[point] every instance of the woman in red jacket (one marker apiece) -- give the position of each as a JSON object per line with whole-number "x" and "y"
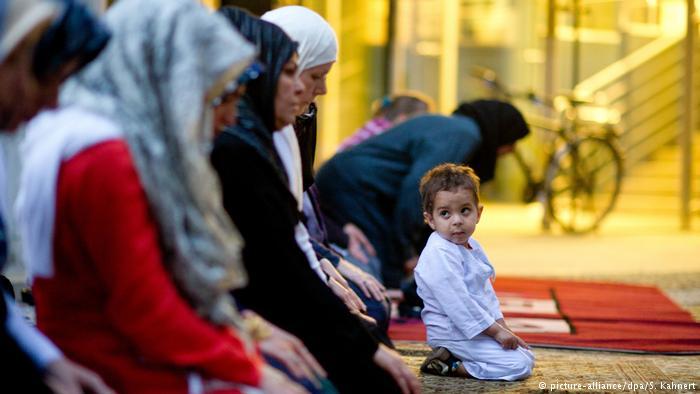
{"x": 131, "y": 254}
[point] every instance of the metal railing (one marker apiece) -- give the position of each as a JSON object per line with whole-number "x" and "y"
{"x": 645, "y": 88}
{"x": 653, "y": 91}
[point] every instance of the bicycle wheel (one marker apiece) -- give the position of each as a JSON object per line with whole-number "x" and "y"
{"x": 582, "y": 183}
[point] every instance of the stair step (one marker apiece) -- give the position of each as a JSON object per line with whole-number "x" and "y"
{"x": 648, "y": 204}
{"x": 653, "y": 186}
{"x": 674, "y": 152}
{"x": 659, "y": 168}
{"x": 646, "y": 184}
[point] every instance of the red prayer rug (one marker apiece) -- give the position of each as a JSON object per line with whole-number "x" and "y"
{"x": 586, "y": 315}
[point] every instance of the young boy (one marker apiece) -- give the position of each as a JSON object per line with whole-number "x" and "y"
{"x": 462, "y": 315}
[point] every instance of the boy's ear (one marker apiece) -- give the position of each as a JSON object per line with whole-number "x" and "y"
{"x": 478, "y": 212}
{"x": 428, "y": 218}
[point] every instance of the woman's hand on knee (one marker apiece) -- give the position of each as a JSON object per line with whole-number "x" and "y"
{"x": 391, "y": 362}
{"x": 274, "y": 381}
{"x": 349, "y": 298}
{"x": 369, "y": 284}
{"x": 358, "y": 243}
{"x": 286, "y": 348}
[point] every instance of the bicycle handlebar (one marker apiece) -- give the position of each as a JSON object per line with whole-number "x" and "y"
{"x": 490, "y": 77}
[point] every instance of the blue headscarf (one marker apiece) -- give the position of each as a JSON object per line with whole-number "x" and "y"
{"x": 275, "y": 48}
{"x": 76, "y": 34}
{"x": 3, "y": 11}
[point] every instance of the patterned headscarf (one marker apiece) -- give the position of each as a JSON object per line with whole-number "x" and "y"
{"x": 167, "y": 57}
{"x": 317, "y": 45}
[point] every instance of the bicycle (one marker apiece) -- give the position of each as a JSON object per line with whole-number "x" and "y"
{"x": 583, "y": 166}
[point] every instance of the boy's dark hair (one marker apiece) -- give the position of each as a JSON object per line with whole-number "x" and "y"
{"x": 447, "y": 177}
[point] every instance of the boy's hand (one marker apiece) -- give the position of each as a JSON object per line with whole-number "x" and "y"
{"x": 521, "y": 342}
{"x": 505, "y": 337}
{"x": 503, "y": 324}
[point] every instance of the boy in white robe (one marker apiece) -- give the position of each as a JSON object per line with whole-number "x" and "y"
{"x": 462, "y": 315}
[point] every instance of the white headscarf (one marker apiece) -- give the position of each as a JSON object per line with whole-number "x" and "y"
{"x": 317, "y": 41}
{"x": 51, "y": 137}
{"x": 164, "y": 57}
{"x": 317, "y": 45}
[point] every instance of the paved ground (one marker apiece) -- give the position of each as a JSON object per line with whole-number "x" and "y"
{"x": 647, "y": 249}
{"x": 625, "y": 244}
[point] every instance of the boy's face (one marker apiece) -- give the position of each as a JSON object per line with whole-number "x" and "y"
{"x": 455, "y": 215}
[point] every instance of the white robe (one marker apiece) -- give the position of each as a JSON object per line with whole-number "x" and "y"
{"x": 455, "y": 285}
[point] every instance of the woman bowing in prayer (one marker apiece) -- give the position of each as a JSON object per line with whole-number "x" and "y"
{"x": 296, "y": 146}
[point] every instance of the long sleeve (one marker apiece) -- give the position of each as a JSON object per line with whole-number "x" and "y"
{"x": 303, "y": 239}
{"x": 110, "y": 213}
{"x": 442, "y": 272}
{"x": 325, "y": 253}
{"x": 39, "y": 348}
{"x": 492, "y": 301}
{"x": 287, "y": 147}
{"x": 282, "y": 287}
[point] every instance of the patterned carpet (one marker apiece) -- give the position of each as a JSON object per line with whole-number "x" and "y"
{"x": 590, "y": 371}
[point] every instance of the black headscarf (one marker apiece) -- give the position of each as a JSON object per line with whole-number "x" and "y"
{"x": 76, "y": 34}
{"x": 305, "y": 128}
{"x": 275, "y": 49}
{"x": 500, "y": 124}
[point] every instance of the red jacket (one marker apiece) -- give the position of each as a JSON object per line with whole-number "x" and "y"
{"x": 110, "y": 304}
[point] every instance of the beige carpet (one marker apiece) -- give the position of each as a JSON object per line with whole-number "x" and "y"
{"x": 594, "y": 371}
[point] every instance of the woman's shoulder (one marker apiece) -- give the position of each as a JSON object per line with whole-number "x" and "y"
{"x": 103, "y": 172}
{"x": 235, "y": 142}
{"x": 106, "y": 157}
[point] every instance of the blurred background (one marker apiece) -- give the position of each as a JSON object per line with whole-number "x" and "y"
{"x": 637, "y": 58}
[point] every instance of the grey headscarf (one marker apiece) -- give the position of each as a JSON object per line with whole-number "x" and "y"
{"x": 164, "y": 58}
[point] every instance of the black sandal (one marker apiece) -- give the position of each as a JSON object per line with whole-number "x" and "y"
{"x": 442, "y": 363}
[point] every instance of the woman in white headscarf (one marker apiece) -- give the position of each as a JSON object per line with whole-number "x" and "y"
{"x": 318, "y": 50}
{"x": 130, "y": 252}
{"x": 295, "y": 145}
